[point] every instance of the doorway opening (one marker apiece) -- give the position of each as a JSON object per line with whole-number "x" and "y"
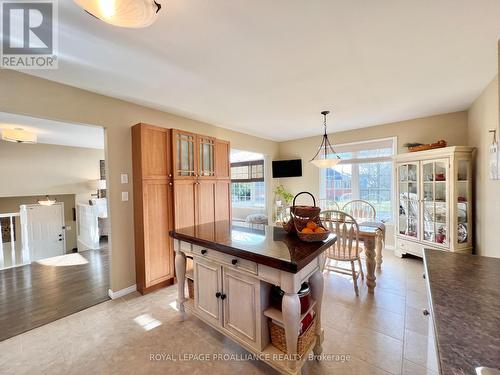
{"x": 248, "y": 188}
{"x": 54, "y": 253}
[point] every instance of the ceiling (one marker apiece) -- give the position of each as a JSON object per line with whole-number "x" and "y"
{"x": 269, "y": 67}
{"x": 55, "y": 132}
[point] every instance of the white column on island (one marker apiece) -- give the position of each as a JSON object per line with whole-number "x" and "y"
{"x": 180, "y": 271}
{"x": 290, "y": 307}
{"x": 316, "y": 283}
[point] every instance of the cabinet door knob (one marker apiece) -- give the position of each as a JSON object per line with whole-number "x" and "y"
{"x": 234, "y": 261}
{"x": 217, "y": 295}
{"x": 223, "y": 296}
{"x": 425, "y": 312}
{"x": 203, "y": 252}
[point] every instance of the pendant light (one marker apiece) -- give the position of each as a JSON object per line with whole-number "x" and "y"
{"x": 326, "y": 157}
{"x": 47, "y": 201}
{"x": 18, "y": 135}
{"x": 122, "y": 13}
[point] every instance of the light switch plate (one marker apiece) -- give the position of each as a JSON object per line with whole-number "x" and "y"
{"x": 124, "y": 178}
{"x": 124, "y": 196}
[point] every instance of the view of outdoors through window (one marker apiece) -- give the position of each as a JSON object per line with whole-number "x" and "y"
{"x": 247, "y": 177}
{"x": 365, "y": 172}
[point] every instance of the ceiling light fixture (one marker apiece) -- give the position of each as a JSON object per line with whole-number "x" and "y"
{"x": 326, "y": 157}
{"x": 122, "y": 13}
{"x": 47, "y": 201}
{"x": 18, "y": 135}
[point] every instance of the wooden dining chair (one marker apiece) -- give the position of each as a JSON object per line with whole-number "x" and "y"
{"x": 328, "y": 204}
{"x": 346, "y": 248}
{"x": 361, "y": 210}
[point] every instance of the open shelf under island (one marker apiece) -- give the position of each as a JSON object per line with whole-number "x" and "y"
{"x": 234, "y": 269}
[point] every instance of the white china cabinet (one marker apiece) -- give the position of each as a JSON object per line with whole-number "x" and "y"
{"x": 434, "y": 200}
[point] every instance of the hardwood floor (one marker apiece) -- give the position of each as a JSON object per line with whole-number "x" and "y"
{"x": 44, "y": 291}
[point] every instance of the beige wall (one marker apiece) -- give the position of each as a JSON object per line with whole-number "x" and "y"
{"x": 483, "y": 116}
{"x": 24, "y": 94}
{"x": 11, "y": 204}
{"x": 42, "y": 169}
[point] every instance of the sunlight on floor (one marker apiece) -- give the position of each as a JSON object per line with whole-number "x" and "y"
{"x": 147, "y": 322}
{"x": 173, "y": 305}
{"x": 63, "y": 260}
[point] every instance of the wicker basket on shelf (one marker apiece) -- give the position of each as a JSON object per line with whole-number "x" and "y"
{"x": 278, "y": 338}
{"x": 190, "y": 284}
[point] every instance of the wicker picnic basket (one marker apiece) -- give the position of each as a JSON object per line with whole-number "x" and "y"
{"x": 300, "y": 215}
{"x": 278, "y": 338}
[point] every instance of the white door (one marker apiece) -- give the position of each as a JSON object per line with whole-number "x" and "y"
{"x": 43, "y": 230}
{"x": 240, "y": 303}
{"x": 208, "y": 290}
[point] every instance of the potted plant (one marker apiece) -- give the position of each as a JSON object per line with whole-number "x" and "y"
{"x": 280, "y": 191}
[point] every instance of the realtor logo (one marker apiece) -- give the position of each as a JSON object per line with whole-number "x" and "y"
{"x": 29, "y": 37}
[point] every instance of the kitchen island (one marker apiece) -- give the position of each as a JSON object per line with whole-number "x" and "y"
{"x": 234, "y": 269}
{"x": 464, "y": 304}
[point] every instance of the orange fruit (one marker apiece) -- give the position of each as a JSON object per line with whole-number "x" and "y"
{"x": 319, "y": 230}
{"x": 307, "y": 230}
{"x": 311, "y": 225}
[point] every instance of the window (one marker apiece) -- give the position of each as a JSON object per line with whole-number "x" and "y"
{"x": 365, "y": 172}
{"x": 247, "y": 184}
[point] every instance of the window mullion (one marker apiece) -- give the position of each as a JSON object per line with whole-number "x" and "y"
{"x": 355, "y": 181}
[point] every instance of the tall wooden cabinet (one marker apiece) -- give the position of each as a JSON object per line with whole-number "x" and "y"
{"x": 201, "y": 179}
{"x": 153, "y": 199}
{"x": 180, "y": 179}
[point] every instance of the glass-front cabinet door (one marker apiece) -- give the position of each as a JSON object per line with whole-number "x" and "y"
{"x": 206, "y": 156}
{"x": 435, "y": 200}
{"x": 409, "y": 196}
{"x": 185, "y": 155}
{"x": 463, "y": 202}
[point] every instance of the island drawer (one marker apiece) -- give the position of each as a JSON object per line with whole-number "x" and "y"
{"x": 183, "y": 246}
{"x": 232, "y": 261}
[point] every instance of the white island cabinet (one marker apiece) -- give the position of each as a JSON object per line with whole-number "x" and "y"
{"x": 434, "y": 206}
{"x": 234, "y": 269}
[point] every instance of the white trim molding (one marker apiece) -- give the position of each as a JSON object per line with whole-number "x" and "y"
{"x": 122, "y": 292}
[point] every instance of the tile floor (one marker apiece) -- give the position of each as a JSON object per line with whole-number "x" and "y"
{"x": 383, "y": 334}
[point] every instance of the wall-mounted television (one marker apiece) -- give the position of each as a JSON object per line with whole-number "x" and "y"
{"x": 287, "y": 168}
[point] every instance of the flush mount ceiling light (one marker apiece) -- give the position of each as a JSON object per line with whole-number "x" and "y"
{"x": 18, "y": 135}
{"x": 47, "y": 201}
{"x": 122, "y": 13}
{"x": 326, "y": 157}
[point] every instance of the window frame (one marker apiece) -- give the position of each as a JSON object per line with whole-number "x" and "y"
{"x": 250, "y": 180}
{"x": 355, "y": 188}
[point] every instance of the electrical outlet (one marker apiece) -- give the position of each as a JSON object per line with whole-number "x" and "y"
{"x": 124, "y": 196}
{"x": 124, "y": 178}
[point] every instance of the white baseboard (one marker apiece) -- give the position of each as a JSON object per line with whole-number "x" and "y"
{"x": 122, "y": 292}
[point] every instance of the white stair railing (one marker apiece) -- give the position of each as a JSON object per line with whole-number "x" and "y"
{"x": 11, "y": 217}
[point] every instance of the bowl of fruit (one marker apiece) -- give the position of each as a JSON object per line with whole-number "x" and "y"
{"x": 311, "y": 231}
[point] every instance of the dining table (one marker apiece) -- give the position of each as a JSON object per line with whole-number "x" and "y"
{"x": 372, "y": 233}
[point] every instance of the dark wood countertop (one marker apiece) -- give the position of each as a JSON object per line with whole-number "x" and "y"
{"x": 263, "y": 244}
{"x": 465, "y": 303}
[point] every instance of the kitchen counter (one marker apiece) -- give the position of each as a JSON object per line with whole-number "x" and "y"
{"x": 464, "y": 295}
{"x": 263, "y": 244}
